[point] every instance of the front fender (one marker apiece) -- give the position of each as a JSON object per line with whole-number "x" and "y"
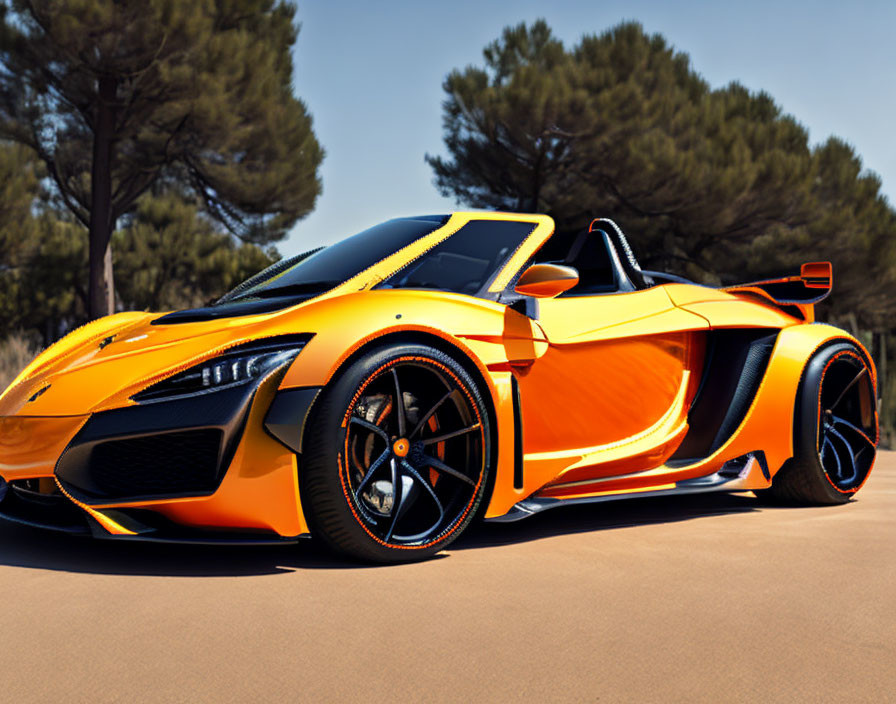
{"x": 343, "y": 325}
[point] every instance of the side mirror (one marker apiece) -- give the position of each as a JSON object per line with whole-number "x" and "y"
{"x": 546, "y": 280}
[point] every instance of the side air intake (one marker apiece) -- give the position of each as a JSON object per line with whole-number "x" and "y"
{"x": 735, "y": 365}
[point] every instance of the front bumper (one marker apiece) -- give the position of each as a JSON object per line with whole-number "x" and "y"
{"x": 27, "y": 506}
{"x": 164, "y": 450}
{"x": 244, "y": 491}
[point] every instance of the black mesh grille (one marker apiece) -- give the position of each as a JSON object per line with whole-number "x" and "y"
{"x": 165, "y": 464}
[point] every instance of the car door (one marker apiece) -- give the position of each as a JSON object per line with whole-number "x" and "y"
{"x": 610, "y": 394}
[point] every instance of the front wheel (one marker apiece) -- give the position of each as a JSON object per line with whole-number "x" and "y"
{"x": 835, "y": 431}
{"x": 397, "y": 458}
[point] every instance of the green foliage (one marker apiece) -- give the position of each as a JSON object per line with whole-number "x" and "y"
{"x": 713, "y": 184}
{"x": 200, "y": 93}
{"x": 19, "y": 174}
{"x": 115, "y": 96}
{"x": 169, "y": 256}
{"x": 16, "y": 351}
{"x": 30, "y": 287}
{"x": 49, "y": 292}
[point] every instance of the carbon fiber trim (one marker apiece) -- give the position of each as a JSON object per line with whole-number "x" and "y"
{"x": 735, "y": 364}
{"x": 223, "y": 411}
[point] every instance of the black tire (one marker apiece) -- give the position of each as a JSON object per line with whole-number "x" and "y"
{"x": 377, "y": 483}
{"x": 835, "y": 431}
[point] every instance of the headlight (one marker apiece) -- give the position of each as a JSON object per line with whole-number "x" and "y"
{"x": 236, "y": 367}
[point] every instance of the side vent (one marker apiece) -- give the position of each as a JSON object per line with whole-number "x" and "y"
{"x": 758, "y": 354}
{"x": 517, "y": 435}
{"x": 736, "y": 361}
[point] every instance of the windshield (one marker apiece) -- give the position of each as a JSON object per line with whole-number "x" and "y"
{"x": 465, "y": 262}
{"x": 339, "y": 262}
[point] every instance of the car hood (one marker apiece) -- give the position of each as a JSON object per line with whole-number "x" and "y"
{"x": 101, "y": 365}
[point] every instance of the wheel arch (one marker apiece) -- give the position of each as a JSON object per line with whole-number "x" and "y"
{"x": 454, "y": 349}
{"x": 823, "y": 336}
{"x": 799, "y": 479}
{"x": 843, "y": 338}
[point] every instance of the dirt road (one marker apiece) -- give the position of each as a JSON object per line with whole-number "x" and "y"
{"x": 704, "y": 598}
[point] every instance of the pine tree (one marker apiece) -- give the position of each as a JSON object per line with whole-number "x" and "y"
{"x": 117, "y": 95}
{"x": 19, "y": 188}
{"x": 170, "y": 256}
{"x": 622, "y": 125}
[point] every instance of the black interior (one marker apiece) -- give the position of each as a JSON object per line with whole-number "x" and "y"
{"x": 623, "y": 251}
{"x": 593, "y": 255}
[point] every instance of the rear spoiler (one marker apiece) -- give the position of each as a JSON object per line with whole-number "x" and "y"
{"x": 812, "y": 285}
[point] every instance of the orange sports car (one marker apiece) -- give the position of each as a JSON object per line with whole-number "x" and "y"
{"x": 382, "y": 392}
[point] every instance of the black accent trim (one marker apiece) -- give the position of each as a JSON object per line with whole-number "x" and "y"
{"x": 624, "y": 281}
{"x": 152, "y": 527}
{"x": 264, "y": 275}
{"x": 662, "y": 277}
{"x": 630, "y": 266}
{"x": 784, "y": 292}
{"x": 733, "y": 468}
{"x": 288, "y": 414}
{"x": 37, "y": 394}
{"x": 763, "y": 464}
{"x": 225, "y": 411}
{"x": 758, "y": 355}
{"x": 517, "y": 434}
{"x": 233, "y": 309}
{"x": 524, "y": 305}
{"x": 204, "y": 539}
{"x": 735, "y": 364}
{"x": 531, "y": 506}
{"x": 48, "y": 511}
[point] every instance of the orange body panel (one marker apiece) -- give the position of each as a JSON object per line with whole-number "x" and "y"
{"x": 605, "y": 384}
{"x": 30, "y": 446}
{"x": 767, "y": 426}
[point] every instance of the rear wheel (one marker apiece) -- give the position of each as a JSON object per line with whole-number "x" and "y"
{"x": 397, "y": 460}
{"x": 835, "y": 433}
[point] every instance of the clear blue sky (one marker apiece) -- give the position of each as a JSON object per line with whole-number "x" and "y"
{"x": 371, "y": 75}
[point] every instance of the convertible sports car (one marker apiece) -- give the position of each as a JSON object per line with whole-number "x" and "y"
{"x": 382, "y": 392}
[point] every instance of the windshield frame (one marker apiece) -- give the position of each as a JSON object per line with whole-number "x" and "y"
{"x": 324, "y": 268}
{"x": 543, "y": 228}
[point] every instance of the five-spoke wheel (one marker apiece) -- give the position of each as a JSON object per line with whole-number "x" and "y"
{"x": 400, "y": 467}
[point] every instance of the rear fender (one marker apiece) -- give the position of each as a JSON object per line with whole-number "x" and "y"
{"x": 768, "y": 424}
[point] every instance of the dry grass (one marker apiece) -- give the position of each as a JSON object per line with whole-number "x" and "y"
{"x": 16, "y": 351}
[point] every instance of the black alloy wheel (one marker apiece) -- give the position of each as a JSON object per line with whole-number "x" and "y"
{"x": 397, "y": 464}
{"x": 847, "y": 421}
{"x": 835, "y": 430}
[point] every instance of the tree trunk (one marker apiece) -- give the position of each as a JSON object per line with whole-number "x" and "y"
{"x": 101, "y": 293}
{"x": 879, "y": 351}
{"x": 884, "y": 401}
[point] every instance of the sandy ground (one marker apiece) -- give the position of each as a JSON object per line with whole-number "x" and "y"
{"x": 705, "y": 598}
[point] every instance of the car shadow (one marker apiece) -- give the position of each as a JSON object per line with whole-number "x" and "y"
{"x": 588, "y": 518}
{"x": 21, "y": 546}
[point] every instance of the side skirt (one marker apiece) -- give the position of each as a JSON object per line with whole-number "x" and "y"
{"x": 739, "y": 474}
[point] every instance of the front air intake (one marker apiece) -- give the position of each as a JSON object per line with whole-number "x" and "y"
{"x": 162, "y": 465}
